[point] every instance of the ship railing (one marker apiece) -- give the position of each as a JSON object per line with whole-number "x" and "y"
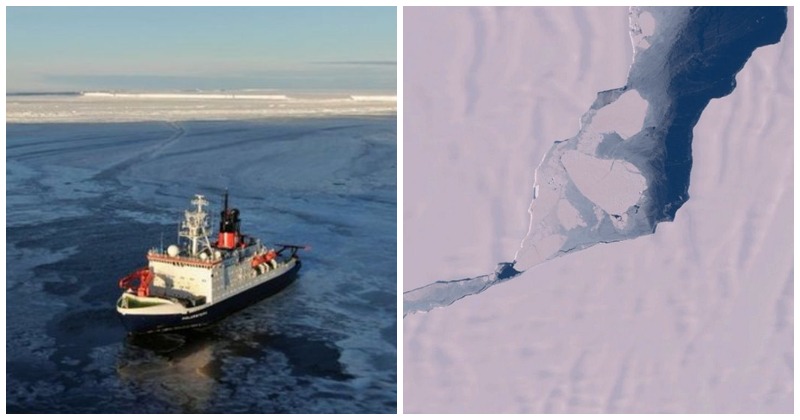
{"x": 182, "y": 258}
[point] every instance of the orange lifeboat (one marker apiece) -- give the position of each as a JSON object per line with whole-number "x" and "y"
{"x": 264, "y": 259}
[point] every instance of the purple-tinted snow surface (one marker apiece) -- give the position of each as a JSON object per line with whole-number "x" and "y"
{"x": 697, "y": 318}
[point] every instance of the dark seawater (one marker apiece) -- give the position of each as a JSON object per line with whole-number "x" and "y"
{"x": 702, "y": 65}
{"x": 86, "y": 201}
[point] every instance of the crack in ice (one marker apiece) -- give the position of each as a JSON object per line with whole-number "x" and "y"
{"x": 669, "y": 74}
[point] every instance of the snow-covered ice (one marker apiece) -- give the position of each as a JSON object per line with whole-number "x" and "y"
{"x": 619, "y": 179}
{"x": 696, "y": 318}
{"x": 194, "y": 106}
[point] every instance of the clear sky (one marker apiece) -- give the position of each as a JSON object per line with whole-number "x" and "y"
{"x": 163, "y": 48}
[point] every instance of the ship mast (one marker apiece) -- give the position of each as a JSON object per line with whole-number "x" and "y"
{"x": 195, "y": 226}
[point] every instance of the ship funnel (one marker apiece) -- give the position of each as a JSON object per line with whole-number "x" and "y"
{"x": 229, "y": 235}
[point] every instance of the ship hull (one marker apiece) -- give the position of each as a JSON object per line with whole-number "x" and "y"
{"x": 205, "y": 315}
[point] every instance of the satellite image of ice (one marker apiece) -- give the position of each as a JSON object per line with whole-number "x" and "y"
{"x": 653, "y": 269}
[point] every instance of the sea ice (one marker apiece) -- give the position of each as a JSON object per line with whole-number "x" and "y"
{"x": 696, "y": 318}
{"x": 192, "y": 106}
{"x": 627, "y": 168}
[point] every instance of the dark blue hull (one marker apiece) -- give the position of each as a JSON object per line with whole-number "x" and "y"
{"x": 139, "y": 324}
